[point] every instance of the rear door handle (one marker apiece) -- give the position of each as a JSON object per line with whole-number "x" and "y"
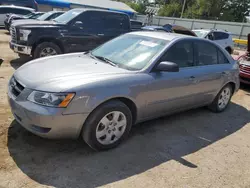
{"x": 100, "y": 34}
{"x": 191, "y": 78}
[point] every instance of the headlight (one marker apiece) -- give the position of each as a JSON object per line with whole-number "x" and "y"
{"x": 60, "y": 100}
{"x": 24, "y": 33}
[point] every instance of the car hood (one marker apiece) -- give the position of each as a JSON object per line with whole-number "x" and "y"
{"x": 33, "y": 23}
{"x": 64, "y": 72}
{"x": 244, "y": 62}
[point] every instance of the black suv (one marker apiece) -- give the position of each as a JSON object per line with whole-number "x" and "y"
{"x": 77, "y": 30}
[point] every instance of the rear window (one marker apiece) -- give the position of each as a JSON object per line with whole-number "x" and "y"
{"x": 117, "y": 21}
{"x": 220, "y": 35}
{"x": 135, "y": 24}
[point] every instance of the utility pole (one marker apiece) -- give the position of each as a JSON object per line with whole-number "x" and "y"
{"x": 183, "y": 7}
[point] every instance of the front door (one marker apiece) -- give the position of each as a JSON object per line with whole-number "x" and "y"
{"x": 85, "y": 32}
{"x": 173, "y": 91}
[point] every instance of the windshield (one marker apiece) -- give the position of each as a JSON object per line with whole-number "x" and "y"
{"x": 29, "y": 15}
{"x": 45, "y": 16}
{"x": 201, "y": 34}
{"x": 66, "y": 17}
{"x": 132, "y": 52}
{"x": 35, "y": 16}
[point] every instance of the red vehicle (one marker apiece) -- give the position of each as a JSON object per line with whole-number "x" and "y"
{"x": 244, "y": 62}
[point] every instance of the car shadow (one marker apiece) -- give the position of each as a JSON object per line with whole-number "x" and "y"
{"x": 64, "y": 163}
{"x": 16, "y": 63}
{"x": 245, "y": 87}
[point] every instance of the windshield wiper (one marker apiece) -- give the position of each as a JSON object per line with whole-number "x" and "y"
{"x": 106, "y": 60}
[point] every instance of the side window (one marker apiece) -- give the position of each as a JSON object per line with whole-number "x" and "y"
{"x": 181, "y": 53}
{"x": 20, "y": 11}
{"x": 220, "y": 35}
{"x": 206, "y": 53}
{"x": 5, "y": 10}
{"x": 222, "y": 59}
{"x": 116, "y": 21}
{"x": 91, "y": 21}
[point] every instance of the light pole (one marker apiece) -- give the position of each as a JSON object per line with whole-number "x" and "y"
{"x": 183, "y": 7}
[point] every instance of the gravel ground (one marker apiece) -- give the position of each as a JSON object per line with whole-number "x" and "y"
{"x": 191, "y": 149}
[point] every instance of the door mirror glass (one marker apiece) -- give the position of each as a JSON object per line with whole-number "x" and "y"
{"x": 210, "y": 36}
{"x": 167, "y": 67}
{"x": 78, "y": 24}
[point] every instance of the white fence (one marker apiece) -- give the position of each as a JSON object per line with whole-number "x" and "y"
{"x": 238, "y": 30}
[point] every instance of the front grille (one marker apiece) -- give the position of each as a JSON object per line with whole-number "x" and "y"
{"x": 13, "y": 34}
{"x": 245, "y": 68}
{"x": 15, "y": 87}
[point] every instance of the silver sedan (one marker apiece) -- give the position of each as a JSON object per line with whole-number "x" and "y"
{"x": 138, "y": 76}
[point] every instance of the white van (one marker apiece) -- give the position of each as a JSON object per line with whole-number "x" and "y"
{"x": 10, "y": 9}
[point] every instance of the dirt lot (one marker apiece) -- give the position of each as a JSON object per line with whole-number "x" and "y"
{"x": 192, "y": 149}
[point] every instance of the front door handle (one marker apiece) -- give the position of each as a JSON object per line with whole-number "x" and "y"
{"x": 193, "y": 79}
{"x": 100, "y": 34}
{"x": 224, "y": 73}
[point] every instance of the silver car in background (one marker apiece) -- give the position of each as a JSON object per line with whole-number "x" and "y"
{"x": 133, "y": 78}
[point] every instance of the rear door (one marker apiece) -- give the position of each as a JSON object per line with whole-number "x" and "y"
{"x": 85, "y": 31}
{"x": 210, "y": 69}
{"x": 115, "y": 25}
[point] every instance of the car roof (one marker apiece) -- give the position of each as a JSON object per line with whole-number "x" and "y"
{"x": 161, "y": 35}
{"x": 208, "y": 30}
{"x": 19, "y": 7}
{"x": 98, "y": 10}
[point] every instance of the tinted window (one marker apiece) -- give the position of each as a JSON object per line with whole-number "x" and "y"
{"x": 14, "y": 10}
{"x": 92, "y": 21}
{"x": 181, "y": 53}
{"x": 116, "y": 21}
{"x": 220, "y": 35}
{"x": 5, "y": 10}
{"x": 222, "y": 58}
{"x": 54, "y": 16}
{"x": 206, "y": 53}
{"x": 20, "y": 11}
{"x": 135, "y": 24}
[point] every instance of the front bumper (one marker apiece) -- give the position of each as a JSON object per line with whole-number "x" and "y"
{"x": 244, "y": 77}
{"x": 21, "y": 49}
{"x": 46, "y": 122}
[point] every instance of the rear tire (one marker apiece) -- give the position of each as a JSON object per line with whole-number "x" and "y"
{"x": 46, "y": 49}
{"x": 222, "y": 100}
{"x": 107, "y": 126}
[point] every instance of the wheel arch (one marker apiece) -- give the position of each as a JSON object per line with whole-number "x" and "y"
{"x": 126, "y": 100}
{"x": 48, "y": 39}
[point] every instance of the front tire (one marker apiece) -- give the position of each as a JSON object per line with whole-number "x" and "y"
{"x": 46, "y": 49}
{"x": 222, "y": 100}
{"x": 107, "y": 126}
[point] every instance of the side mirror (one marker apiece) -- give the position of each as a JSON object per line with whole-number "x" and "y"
{"x": 167, "y": 67}
{"x": 210, "y": 37}
{"x": 78, "y": 24}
